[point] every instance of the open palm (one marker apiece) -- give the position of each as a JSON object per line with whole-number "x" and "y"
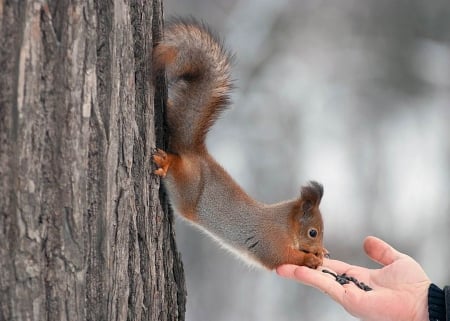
{"x": 399, "y": 292}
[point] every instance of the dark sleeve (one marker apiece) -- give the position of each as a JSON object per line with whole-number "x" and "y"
{"x": 447, "y": 301}
{"x": 438, "y": 303}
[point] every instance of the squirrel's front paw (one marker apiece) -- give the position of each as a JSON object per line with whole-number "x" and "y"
{"x": 161, "y": 159}
{"x": 312, "y": 261}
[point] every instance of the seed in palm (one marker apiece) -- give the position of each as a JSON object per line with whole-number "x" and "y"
{"x": 345, "y": 279}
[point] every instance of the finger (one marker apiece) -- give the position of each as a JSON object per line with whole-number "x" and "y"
{"x": 340, "y": 267}
{"x": 286, "y": 270}
{"x": 290, "y": 271}
{"x": 380, "y": 251}
{"x": 315, "y": 278}
{"x": 336, "y": 265}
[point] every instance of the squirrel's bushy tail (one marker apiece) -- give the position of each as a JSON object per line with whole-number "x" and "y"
{"x": 198, "y": 71}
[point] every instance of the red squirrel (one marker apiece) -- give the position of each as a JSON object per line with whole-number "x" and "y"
{"x": 198, "y": 71}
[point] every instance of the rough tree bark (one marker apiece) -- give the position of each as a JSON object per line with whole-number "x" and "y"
{"x": 83, "y": 234}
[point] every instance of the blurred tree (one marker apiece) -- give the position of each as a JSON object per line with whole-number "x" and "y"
{"x": 84, "y": 233}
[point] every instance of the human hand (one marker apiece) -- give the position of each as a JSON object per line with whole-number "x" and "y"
{"x": 400, "y": 287}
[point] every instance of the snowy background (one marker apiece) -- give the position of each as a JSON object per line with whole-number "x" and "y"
{"x": 353, "y": 94}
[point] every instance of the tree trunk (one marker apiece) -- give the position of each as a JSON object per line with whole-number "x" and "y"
{"x": 84, "y": 232}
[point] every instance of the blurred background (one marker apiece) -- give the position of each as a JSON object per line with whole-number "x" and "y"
{"x": 353, "y": 94}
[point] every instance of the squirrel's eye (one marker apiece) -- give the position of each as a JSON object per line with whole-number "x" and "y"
{"x": 312, "y": 232}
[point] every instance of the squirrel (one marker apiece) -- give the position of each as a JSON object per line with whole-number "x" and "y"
{"x": 197, "y": 68}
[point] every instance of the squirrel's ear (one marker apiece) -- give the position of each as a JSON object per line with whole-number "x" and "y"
{"x": 311, "y": 195}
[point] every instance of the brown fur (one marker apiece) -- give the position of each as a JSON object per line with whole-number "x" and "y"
{"x": 198, "y": 71}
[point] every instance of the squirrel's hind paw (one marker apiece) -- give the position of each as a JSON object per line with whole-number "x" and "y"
{"x": 161, "y": 159}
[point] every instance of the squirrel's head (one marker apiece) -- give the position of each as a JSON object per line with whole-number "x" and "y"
{"x": 306, "y": 220}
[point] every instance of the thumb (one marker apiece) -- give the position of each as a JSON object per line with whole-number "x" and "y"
{"x": 380, "y": 251}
